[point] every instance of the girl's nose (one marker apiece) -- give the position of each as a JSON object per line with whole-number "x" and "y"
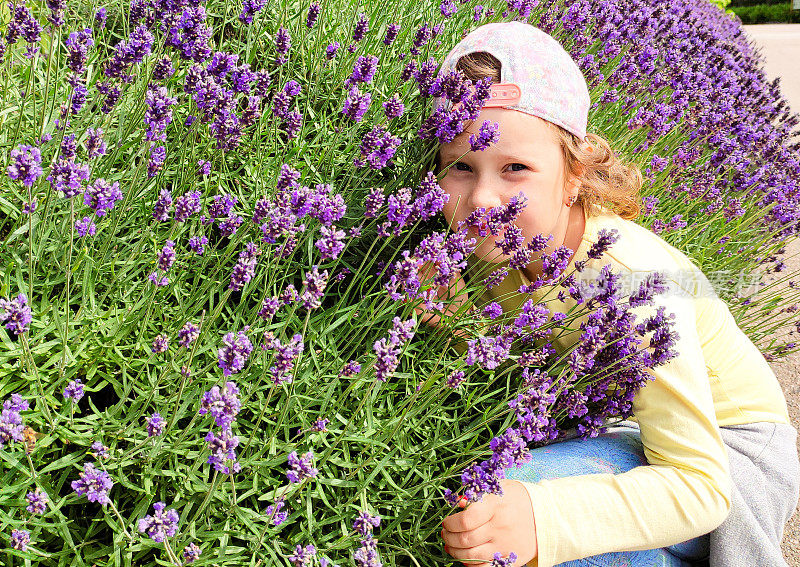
{"x": 484, "y": 194}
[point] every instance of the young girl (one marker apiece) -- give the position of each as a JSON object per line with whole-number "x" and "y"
{"x": 706, "y": 471}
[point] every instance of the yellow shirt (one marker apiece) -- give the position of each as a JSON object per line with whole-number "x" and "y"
{"x": 718, "y": 378}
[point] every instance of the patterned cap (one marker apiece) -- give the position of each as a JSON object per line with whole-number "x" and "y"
{"x": 537, "y": 75}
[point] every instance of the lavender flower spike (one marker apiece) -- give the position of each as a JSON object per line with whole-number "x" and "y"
{"x": 94, "y": 484}
{"x": 25, "y": 165}
{"x": 17, "y": 314}
{"x": 161, "y": 524}
{"x": 300, "y": 467}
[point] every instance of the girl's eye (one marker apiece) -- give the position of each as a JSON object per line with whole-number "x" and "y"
{"x": 458, "y": 163}
{"x": 519, "y": 164}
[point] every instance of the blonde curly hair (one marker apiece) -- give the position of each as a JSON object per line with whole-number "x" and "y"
{"x": 605, "y": 179}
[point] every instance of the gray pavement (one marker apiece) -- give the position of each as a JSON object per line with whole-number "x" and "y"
{"x": 780, "y": 46}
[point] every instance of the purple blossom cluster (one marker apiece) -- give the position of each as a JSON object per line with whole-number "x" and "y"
{"x": 161, "y": 524}
{"x": 11, "y": 426}
{"x": 314, "y": 285}
{"x": 165, "y": 260}
{"x": 245, "y": 268}
{"x": 78, "y": 44}
{"x": 366, "y": 555}
{"x": 158, "y": 113}
{"x": 377, "y": 148}
{"x": 387, "y": 350}
{"x": 301, "y": 468}
{"x": 20, "y": 539}
{"x": 155, "y": 425}
{"x": 74, "y": 390}
{"x": 94, "y": 484}
{"x": 37, "y": 501}
{"x": 16, "y": 313}
{"x": 24, "y": 25}
{"x": 303, "y": 556}
{"x": 223, "y": 405}
{"x": 284, "y": 358}
{"x": 233, "y": 355}
{"x": 190, "y": 34}
{"x": 25, "y": 165}
{"x": 129, "y": 52}
{"x": 188, "y": 334}
{"x": 101, "y": 196}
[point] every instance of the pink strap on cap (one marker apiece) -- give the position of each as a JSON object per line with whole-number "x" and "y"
{"x": 503, "y": 94}
{"x": 500, "y": 94}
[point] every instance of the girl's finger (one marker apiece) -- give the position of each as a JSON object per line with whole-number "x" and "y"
{"x": 465, "y": 540}
{"x": 476, "y": 515}
{"x": 480, "y": 556}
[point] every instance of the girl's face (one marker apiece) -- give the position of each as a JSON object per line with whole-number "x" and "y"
{"x": 528, "y": 159}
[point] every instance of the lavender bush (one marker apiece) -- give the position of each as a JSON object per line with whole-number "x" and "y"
{"x": 213, "y": 218}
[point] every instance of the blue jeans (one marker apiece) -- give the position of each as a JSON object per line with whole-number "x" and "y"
{"x": 617, "y": 450}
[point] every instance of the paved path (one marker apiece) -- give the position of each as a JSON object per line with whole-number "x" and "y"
{"x": 780, "y": 45}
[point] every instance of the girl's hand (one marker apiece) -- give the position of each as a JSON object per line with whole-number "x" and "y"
{"x": 503, "y": 524}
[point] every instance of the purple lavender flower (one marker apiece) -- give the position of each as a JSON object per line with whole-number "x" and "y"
{"x": 204, "y": 168}
{"x": 102, "y": 196}
{"x": 95, "y": 145}
{"x": 78, "y": 44}
{"x": 233, "y": 355}
{"x": 37, "y": 501}
{"x": 244, "y": 270}
{"x": 100, "y": 18}
{"x": 269, "y": 307}
{"x": 455, "y": 379}
{"x": 158, "y": 114}
{"x": 313, "y": 14}
{"x": 167, "y": 256}
{"x": 191, "y": 553}
{"x": 448, "y": 8}
{"x": 393, "y": 108}
{"x": 197, "y": 244}
{"x": 11, "y": 426}
{"x": 489, "y": 134}
{"x": 356, "y": 104}
{"x": 99, "y": 450}
{"x": 378, "y": 146}
{"x": 186, "y": 205}
{"x": 17, "y": 313}
{"x": 274, "y": 511}
{"x": 374, "y": 202}
{"x": 320, "y": 425}
{"x": 331, "y": 242}
{"x": 331, "y": 49}
{"x": 24, "y": 25}
{"x": 222, "y": 405}
{"x": 361, "y": 28}
{"x": 314, "y": 287}
{"x": 129, "y": 52}
{"x": 283, "y": 42}
{"x": 498, "y": 560}
{"x": 249, "y": 9}
{"x": 190, "y": 35}
{"x": 300, "y": 468}
{"x": 160, "y": 344}
{"x": 303, "y": 557}
{"x": 367, "y": 554}
{"x": 85, "y": 226}
{"x": 67, "y": 177}
{"x": 284, "y": 357}
{"x": 363, "y": 71}
{"x": 223, "y": 450}
{"x": 188, "y": 334}
{"x": 112, "y": 95}
{"x": 391, "y": 33}
{"x": 74, "y": 390}
{"x": 155, "y": 425}
{"x": 388, "y": 351}
{"x": 94, "y": 484}
{"x": 25, "y": 165}
{"x": 605, "y": 239}
{"x": 158, "y": 154}
{"x": 161, "y": 524}
{"x": 163, "y": 69}
{"x": 29, "y": 208}
{"x": 20, "y": 539}
{"x": 364, "y": 523}
{"x": 350, "y": 369}
{"x": 291, "y": 124}
{"x": 162, "y": 206}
